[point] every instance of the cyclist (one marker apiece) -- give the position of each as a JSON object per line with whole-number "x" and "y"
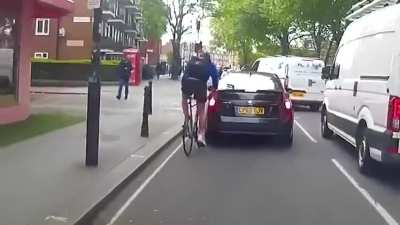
{"x": 194, "y": 82}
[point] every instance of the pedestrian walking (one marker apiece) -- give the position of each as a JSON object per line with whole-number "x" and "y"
{"x": 158, "y": 70}
{"x": 124, "y": 73}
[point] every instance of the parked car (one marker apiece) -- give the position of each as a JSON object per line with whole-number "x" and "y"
{"x": 361, "y": 101}
{"x": 302, "y": 76}
{"x": 250, "y": 103}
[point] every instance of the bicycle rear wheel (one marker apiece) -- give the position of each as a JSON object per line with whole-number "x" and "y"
{"x": 187, "y": 136}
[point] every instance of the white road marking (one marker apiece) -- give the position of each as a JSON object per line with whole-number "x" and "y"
{"x": 137, "y": 156}
{"x": 56, "y": 219}
{"x": 378, "y": 207}
{"x": 141, "y": 188}
{"x": 305, "y": 132}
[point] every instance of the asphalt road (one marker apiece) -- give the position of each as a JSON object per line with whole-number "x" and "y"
{"x": 255, "y": 180}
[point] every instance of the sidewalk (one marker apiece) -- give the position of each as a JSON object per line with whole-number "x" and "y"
{"x": 44, "y": 180}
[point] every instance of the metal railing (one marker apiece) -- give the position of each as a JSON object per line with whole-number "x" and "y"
{"x": 367, "y": 6}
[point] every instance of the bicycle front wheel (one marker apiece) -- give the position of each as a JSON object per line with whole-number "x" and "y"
{"x": 187, "y": 137}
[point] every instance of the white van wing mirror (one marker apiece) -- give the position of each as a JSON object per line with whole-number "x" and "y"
{"x": 326, "y": 72}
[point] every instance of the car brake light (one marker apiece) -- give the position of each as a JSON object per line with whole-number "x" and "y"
{"x": 287, "y": 108}
{"x": 288, "y": 104}
{"x": 393, "y": 123}
{"x": 213, "y": 102}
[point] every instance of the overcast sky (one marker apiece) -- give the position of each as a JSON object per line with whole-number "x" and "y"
{"x": 191, "y": 36}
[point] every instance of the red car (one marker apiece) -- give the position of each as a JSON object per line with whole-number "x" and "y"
{"x": 250, "y": 103}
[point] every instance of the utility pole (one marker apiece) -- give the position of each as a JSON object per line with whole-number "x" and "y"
{"x": 94, "y": 91}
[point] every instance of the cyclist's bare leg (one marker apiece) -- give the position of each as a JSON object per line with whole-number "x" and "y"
{"x": 185, "y": 108}
{"x": 202, "y": 121}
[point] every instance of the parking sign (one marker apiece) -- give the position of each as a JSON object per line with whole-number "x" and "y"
{"x": 93, "y": 4}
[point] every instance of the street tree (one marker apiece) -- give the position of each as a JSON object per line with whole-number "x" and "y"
{"x": 313, "y": 18}
{"x": 237, "y": 28}
{"x": 324, "y": 21}
{"x": 281, "y": 21}
{"x": 155, "y": 18}
{"x": 177, "y": 14}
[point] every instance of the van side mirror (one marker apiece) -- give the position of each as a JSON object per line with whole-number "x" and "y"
{"x": 326, "y": 72}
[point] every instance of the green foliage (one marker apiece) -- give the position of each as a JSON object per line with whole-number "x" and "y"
{"x": 302, "y": 52}
{"x": 34, "y": 126}
{"x": 271, "y": 26}
{"x": 155, "y": 18}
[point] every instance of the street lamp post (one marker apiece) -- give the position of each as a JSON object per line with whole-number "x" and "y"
{"x": 94, "y": 93}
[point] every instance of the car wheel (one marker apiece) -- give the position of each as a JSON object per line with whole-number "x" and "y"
{"x": 325, "y": 131}
{"x": 287, "y": 139}
{"x": 364, "y": 159}
{"x": 315, "y": 107}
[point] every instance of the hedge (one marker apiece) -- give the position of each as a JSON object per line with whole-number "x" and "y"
{"x": 70, "y": 71}
{"x": 79, "y": 70}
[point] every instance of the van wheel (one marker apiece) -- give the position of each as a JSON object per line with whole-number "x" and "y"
{"x": 325, "y": 131}
{"x": 315, "y": 107}
{"x": 364, "y": 159}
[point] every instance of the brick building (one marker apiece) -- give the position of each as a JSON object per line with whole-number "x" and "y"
{"x": 152, "y": 51}
{"x": 16, "y": 42}
{"x": 70, "y": 37}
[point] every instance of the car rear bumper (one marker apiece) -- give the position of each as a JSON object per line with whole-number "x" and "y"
{"x": 307, "y": 99}
{"x": 252, "y": 126}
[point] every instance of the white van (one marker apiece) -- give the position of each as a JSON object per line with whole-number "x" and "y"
{"x": 361, "y": 101}
{"x": 302, "y": 76}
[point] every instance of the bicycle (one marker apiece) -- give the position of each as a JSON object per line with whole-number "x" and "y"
{"x": 190, "y": 129}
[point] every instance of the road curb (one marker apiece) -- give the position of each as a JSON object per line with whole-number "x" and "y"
{"x": 172, "y": 133}
{"x": 58, "y": 93}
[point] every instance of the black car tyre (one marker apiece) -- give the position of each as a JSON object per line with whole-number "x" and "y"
{"x": 364, "y": 159}
{"x": 287, "y": 139}
{"x": 325, "y": 131}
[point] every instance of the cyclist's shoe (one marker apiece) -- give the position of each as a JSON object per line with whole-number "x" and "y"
{"x": 201, "y": 141}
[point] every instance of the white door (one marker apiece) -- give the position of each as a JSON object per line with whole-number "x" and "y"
{"x": 344, "y": 101}
{"x": 374, "y": 68}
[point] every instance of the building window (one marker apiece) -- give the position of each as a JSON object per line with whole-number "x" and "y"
{"x": 41, "y": 55}
{"x": 42, "y": 26}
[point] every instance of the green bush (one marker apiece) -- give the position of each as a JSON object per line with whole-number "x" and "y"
{"x": 70, "y": 70}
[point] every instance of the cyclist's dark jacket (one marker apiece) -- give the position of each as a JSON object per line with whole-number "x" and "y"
{"x": 196, "y": 68}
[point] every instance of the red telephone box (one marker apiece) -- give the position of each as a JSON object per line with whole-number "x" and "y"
{"x": 133, "y": 55}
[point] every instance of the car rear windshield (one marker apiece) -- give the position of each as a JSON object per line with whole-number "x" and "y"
{"x": 251, "y": 83}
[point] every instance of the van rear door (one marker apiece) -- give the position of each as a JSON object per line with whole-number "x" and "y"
{"x": 305, "y": 75}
